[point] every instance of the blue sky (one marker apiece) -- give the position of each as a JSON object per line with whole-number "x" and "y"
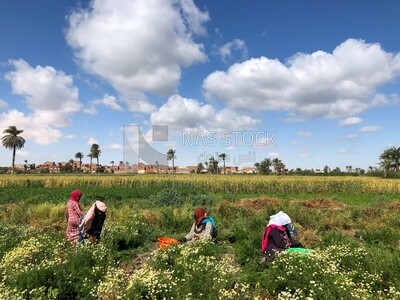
{"x": 312, "y": 83}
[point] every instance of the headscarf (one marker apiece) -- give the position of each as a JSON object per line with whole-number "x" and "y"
{"x": 280, "y": 219}
{"x": 76, "y": 195}
{"x": 199, "y": 214}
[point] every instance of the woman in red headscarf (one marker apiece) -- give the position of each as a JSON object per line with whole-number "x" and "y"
{"x": 74, "y": 214}
{"x": 203, "y": 226}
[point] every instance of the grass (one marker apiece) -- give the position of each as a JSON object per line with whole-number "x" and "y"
{"x": 363, "y": 226}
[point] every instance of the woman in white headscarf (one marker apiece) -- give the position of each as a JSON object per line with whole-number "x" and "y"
{"x": 278, "y": 234}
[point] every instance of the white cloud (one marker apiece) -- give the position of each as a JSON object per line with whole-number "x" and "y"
{"x": 33, "y": 127}
{"x": 138, "y": 46}
{"x": 108, "y": 101}
{"x": 350, "y": 121}
{"x": 351, "y": 136}
{"x": 320, "y": 84}
{"x": 273, "y": 154}
{"x": 22, "y": 153}
{"x": 343, "y": 151}
{"x": 3, "y": 103}
{"x": 236, "y": 46}
{"x": 304, "y": 153}
{"x": 92, "y": 141}
{"x": 51, "y": 96}
{"x": 304, "y": 133}
{"x": 92, "y": 110}
{"x": 46, "y": 90}
{"x": 182, "y": 113}
{"x": 115, "y": 146}
{"x": 69, "y": 136}
{"x": 374, "y": 128}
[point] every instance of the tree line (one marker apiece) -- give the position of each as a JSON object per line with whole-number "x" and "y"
{"x": 389, "y": 160}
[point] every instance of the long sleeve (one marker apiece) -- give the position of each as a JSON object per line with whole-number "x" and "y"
{"x": 196, "y": 232}
{"x": 190, "y": 235}
{"x": 278, "y": 239}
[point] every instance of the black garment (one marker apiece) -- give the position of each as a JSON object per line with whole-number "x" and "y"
{"x": 97, "y": 224}
{"x": 277, "y": 241}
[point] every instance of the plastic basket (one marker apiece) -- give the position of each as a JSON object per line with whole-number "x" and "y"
{"x": 164, "y": 242}
{"x": 299, "y": 250}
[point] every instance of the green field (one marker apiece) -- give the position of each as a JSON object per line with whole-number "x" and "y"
{"x": 351, "y": 223}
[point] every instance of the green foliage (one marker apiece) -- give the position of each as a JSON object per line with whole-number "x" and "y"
{"x": 167, "y": 197}
{"x": 200, "y": 200}
{"x": 356, "y": 245}
{"x": 338, "y": 272}
{"x": 125, "y": 238}
{"x": 199, "y": 271}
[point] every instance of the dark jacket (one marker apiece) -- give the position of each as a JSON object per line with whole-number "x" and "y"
{"x": 278, "y": 240}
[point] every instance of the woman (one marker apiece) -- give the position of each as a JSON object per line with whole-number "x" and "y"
{"x": 278, "y": 235}
{"x": 74, "y": 214}
{"x": 203, "y": 226}
{"x": 92, "y": 222}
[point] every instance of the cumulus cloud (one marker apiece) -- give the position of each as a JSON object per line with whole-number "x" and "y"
{"x": 273, "y": 154}
{"x": 115, "y": 146}
{"x": 236, "y": 46}
{"x": 350, "y": 121}
{"x": 351, "y": 136}
{"x": 138, "y": 46}
{"x": 22, "y": 153}
{"x": 3, "y": 103}
{"x": 33, "y": 128}
{"x": 304, "y": 133}
{"x": 179, "y": 113}
{"x": 51, "y": 96}
{"x": 320, "y": 84}
{"x": 107, "y": 100}
{"x": 374, "y": 128}
{"x": 304, "y": 153}
{"x": 92, "y": 141}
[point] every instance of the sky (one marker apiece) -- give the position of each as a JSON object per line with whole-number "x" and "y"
{"x": 313, "y": 83}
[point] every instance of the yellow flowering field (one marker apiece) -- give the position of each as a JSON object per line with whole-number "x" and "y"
{"x": 213, "y": 183}
{"x": 355, "y": 240}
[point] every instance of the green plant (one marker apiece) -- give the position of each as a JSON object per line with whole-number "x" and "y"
{"x": 168, "y": 197}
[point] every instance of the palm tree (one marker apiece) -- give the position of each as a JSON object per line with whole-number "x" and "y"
{"x": 385, "y": 166}
{"x": 263, "y": 166}
{"x": 200, "y": 167}
{"x": 223, "y": 157}
{"x": 71, "y": 162}
{"x": 13, "y": 141}
{"x": 95, "y": 152}
{"x": 79, "y": 155}
{"x": 90, "y": 165}
{"x": 279, "y": 166}
{"x": 390, "y": 158}
{"x": 393, "y": 154}
{"x": 213, "y": 165}
{"x": 171, "y": 156}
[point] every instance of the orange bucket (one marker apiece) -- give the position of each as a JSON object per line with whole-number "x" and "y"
{"x": 164, "y": 242}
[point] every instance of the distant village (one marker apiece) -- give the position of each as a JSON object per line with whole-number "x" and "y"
{"x": 73, "y": 166}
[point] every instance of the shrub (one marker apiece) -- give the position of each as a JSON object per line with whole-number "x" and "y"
{"x": 195, "y": 271}
{"x": 168, "y": 197}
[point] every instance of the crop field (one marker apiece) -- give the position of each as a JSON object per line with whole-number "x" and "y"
{"x": 351, "y": 224}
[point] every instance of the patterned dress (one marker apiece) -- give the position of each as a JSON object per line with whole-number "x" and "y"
{"x": 74, "y": 214}
{"x": 199, "y": 231}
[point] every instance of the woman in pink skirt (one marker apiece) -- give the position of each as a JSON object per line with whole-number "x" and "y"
{"x": 74, "y": 214}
